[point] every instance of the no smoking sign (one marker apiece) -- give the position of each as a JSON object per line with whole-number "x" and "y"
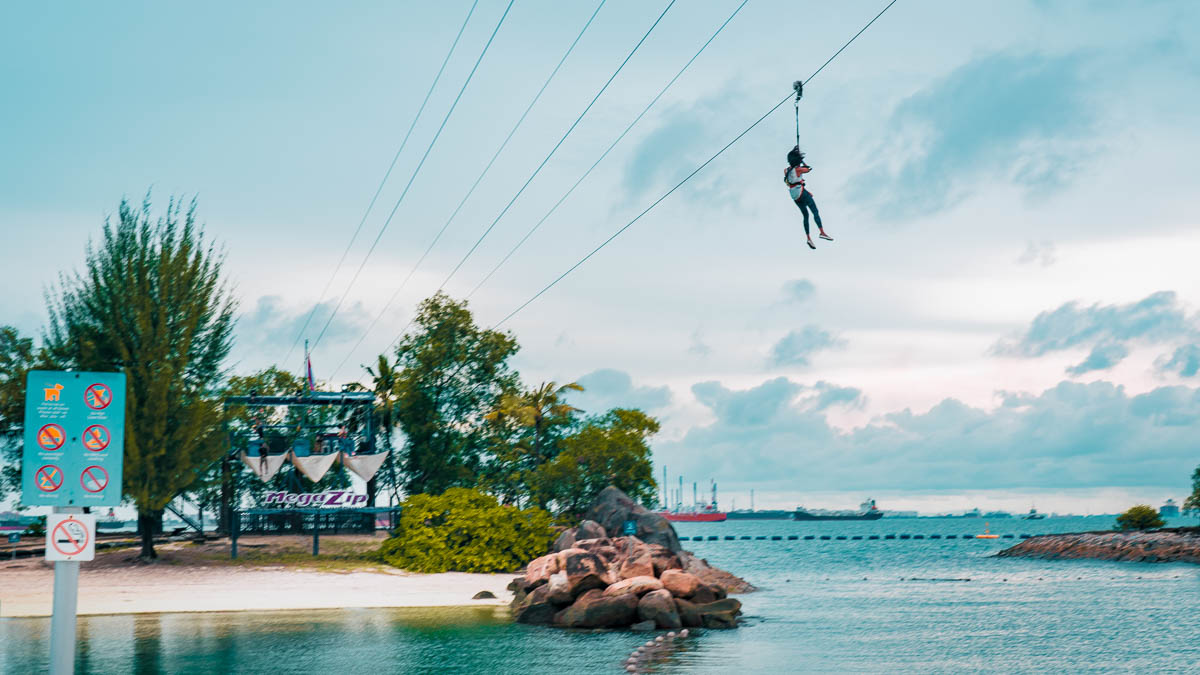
{"x": 71, "y": 536}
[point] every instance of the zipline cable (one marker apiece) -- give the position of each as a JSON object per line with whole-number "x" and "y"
{"x": 689, "y": 176}
{"x": 544, "y": 161}
{"x": 471, "y": 191}
{"x": 612, "y": 145}
{"x": 386, "y": 175}
{"x": 414, "y": 174}
{"x": 556, "y": 146}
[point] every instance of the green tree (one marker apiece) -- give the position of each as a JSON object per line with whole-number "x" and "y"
{"x": 385, "y": 379}
{"x": 151, "y": 302}
{"x": 1192, "y": 503}
{"x": 528, "y": 428}
{"x": 610, "y": 449}
{"x": 452, "y": 373}
{"x": 16, "y": 359}
{"x": 1140, "y": 517}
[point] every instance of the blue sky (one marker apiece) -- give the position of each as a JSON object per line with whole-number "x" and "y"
{"x": 1009, "y": 313}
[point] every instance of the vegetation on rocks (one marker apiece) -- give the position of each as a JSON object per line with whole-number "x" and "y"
{"x": 464, "y": 530}
{"x": 1140, "y": 517}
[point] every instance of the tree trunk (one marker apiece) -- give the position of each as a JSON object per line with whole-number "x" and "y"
{"x": 223, "y": 515}
{"x": 146, "y": 526}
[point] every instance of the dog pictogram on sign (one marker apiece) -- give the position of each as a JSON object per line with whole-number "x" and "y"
{"x": 96, "y": 437}
{"x": 94, "y": 479}
{"x": 97, "y": 397}
{"x": 49, "y": 478}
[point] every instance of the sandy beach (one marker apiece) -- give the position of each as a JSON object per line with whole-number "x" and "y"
{"x": 192, "y": 578}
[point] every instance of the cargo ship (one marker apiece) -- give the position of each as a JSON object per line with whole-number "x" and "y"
{"x": 866, "y": 511}
{"x": 758, "y": 514}
{"x": 697, "y": 512}
{"x": 771, "y": 514}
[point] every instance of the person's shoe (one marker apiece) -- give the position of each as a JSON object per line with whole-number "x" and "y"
{"x": 811, "y": 245}
{"x": 825, "y": 236}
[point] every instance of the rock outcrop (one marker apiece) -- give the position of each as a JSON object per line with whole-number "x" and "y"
{"x": 1167, "y": 545}
{"x": 595, "y": 578}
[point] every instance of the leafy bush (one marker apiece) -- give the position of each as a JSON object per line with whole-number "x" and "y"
{"x": 465, "y": 530}
{"x": 37, "y": 528}
{"x": 1140, "y": 517}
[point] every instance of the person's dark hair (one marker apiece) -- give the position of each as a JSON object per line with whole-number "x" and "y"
{"x": 795, "y": 157}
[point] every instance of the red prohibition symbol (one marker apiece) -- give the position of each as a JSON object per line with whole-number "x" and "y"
{"x": 94, "y": 479}
{"x": 70, "y": 537}
{"x": 97, "y": 396}
{"x": 96, "y": 437}
{"x": 51, "y": 437}
{"x": 49, "y": 478}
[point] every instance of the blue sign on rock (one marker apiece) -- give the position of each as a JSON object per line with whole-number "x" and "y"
{"x": 630, "y": 527}
{"x": 74, "y": 439}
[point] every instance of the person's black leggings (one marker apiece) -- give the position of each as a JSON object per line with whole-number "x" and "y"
{"x": 805, "y": 202}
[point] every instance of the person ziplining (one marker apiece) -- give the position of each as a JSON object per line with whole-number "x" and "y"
{"x": 794, "y": 178}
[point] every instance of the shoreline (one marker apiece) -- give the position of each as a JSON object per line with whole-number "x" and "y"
{"x": 1181, "y": 544}
{"x": 182, "y": 582}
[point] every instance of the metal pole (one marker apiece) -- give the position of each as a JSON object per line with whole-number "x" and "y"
{"x": 66, "y": 601}
{"x": 235, "y": 524}
{"x": 316, "y": 534}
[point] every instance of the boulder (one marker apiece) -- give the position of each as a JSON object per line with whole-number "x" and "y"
{"x": 637, "y": 585}
{"x": 712, "y": 575}
{"x": 585, "y": 571}
{"x": 680, "y": 583}
{"x": 539, "y": 570}
{"x": 664, "y": 560}
{"x": 719, "y": 614}
{"x": 558, "y": 589}
{"x": 641, "y": 566}
{"x": 590, "y": 529}
{"x": 484, "y": 595}
{"x": 593, "y": 609}
{"x": 564, "y": 540}
{"x": 613, "y": 507}
{"x": 657, "y": 606}
{"x": 643, "y": 626}
{"x": 537, "y": 607}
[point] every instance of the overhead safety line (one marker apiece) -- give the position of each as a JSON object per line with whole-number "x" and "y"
{"x": 416, "y": 171}
{"x": 612, "y": 145}
{"x": 542, "y": 164}
{"x": 556, "y": 146}
{"x": 386, "y": 175}
{"x": 668, "y": 193}
{"x": 471, "y": 191}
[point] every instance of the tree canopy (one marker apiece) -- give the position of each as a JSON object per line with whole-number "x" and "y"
{"x": 151, "y": 302}
{"x": 1140, "y": 517}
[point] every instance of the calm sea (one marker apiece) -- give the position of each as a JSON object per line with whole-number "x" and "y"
{"x": 894, "y": 606}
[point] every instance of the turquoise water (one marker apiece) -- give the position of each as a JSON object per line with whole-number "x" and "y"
{"x": 895, "y": 606}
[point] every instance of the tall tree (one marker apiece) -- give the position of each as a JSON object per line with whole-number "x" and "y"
{"x": 528, "y": 428}
{"x": 611, "y": 449}
{"x": 151, "y": 302}
{"x": 385, "y": 379}
{"x": 16, "y": 358}
{"x": 452, "y": 373}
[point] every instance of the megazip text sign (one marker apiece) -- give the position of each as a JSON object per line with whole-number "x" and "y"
{"x": 332, "y": 498}
{"x": 74, "y": 439}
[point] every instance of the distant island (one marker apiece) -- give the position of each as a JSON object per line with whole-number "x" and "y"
{"x": 1180, "y": 544}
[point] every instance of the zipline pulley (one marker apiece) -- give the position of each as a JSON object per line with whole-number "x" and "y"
{"x": 798, "y": 87}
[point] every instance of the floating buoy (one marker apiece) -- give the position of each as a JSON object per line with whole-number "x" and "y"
{"x": 683, "y": 633}
{"x": 987, "y": 533}
{"x": 730, "y": 537}
{"x": 776, "y": 537}
{"x": 793, "y": 537}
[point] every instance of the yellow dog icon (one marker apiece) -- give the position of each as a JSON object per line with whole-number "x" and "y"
{"x": 53, "y": 392}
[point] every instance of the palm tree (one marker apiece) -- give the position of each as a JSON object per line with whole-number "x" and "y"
{"x": 539, "y": 410}
{"x": 384, "y": 378}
